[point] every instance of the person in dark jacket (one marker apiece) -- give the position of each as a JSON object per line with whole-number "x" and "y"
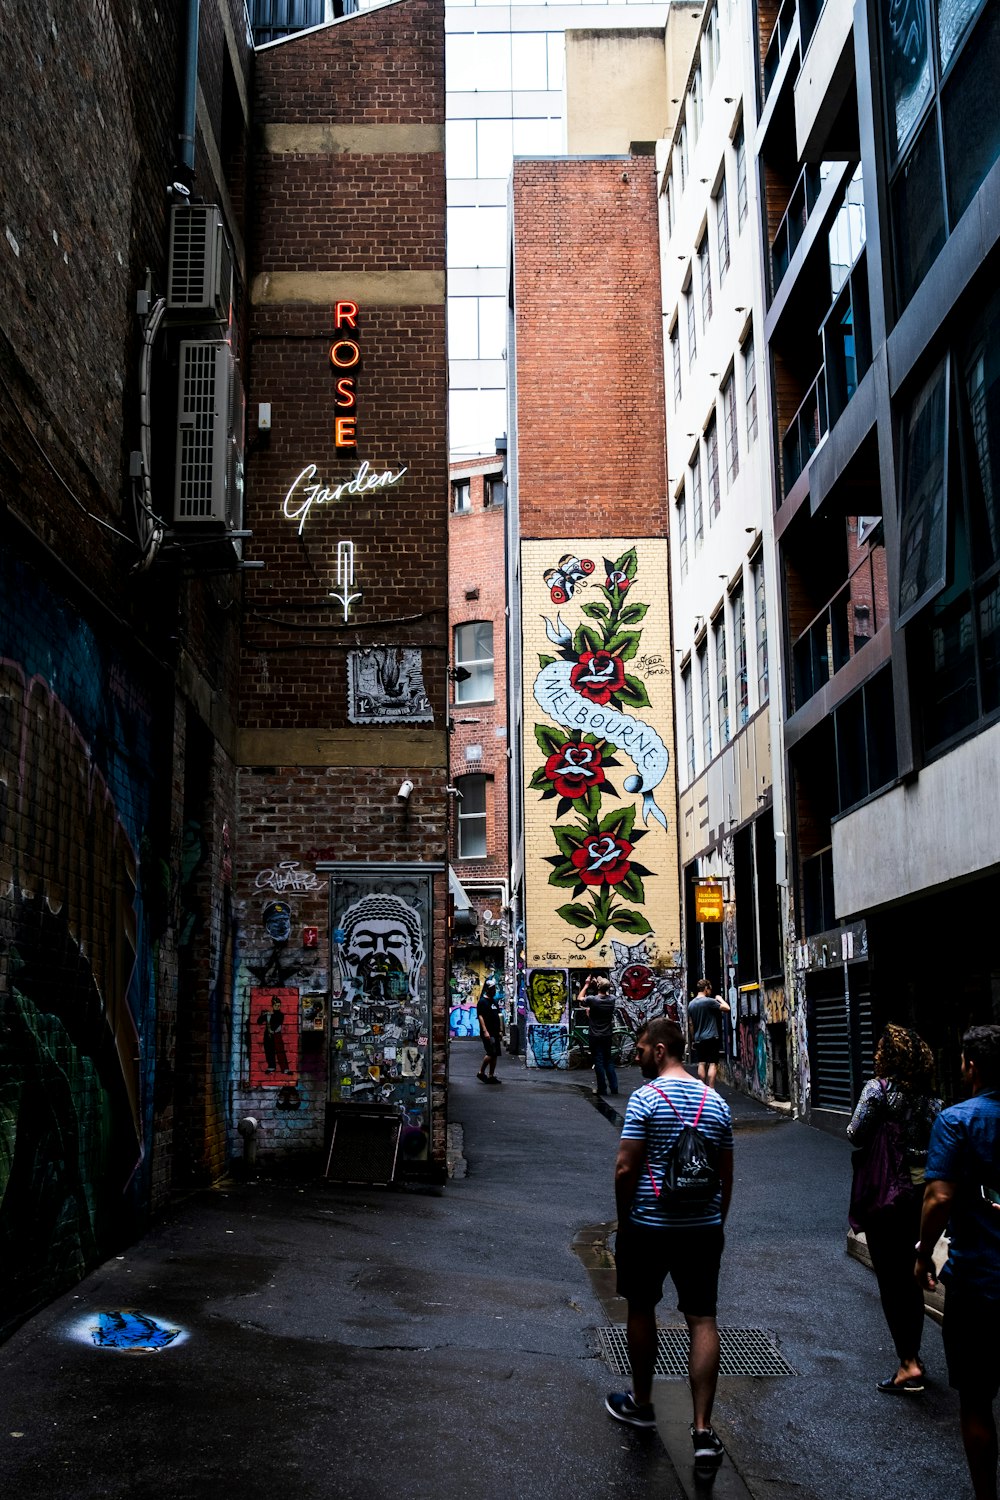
{"x": 899, "y": 1096}
{"x": 490, "y": 1030}
{"x": 597, "y": 996}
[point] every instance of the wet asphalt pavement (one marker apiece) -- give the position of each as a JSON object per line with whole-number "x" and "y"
{"x": 368, "y": 1344}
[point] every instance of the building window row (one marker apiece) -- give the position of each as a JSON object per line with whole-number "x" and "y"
{"x": 710, "y": 442}
{"x": 721, "y": 672}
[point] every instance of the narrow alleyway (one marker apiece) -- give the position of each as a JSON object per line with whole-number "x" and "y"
{"x": 367, "y": 1344}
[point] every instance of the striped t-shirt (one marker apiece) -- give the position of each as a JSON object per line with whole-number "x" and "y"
{"x": 650, "y": 1118}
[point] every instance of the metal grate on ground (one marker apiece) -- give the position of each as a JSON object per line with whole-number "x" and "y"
{"x": 743, "y": 1351}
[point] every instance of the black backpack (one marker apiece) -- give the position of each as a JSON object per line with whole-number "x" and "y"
{"x": 690, "y": 1170}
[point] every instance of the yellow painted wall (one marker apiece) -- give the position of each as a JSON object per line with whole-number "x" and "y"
{"x": 598, "y": 866}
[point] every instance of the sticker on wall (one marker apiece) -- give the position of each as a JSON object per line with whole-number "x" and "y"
{"x": 387, "y": 683}
{"x": 601, "y": 710}
{"x": 274, "y": 1037}
{"x": 313, "y": 1012}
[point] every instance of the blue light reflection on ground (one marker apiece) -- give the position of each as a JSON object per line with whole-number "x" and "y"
{"x": 128, "y": 1329}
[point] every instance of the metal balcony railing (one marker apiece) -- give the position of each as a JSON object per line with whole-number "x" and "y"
{"x": 776, "y": 44}
{"x": 801, "y": 438}
{"x": 794, "y": 220}
{"x": 842, "y": 628}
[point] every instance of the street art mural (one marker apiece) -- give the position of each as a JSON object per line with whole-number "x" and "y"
{"x": 80, "y": 885}
{"x": 599, "y": 801}
{"x": 274, "y": 1037}
{"x": 386, "y": 684}
{"x": 547, "y": 1001}
{"x": 380, "y": 1009}
{"x": 468, "y": 974}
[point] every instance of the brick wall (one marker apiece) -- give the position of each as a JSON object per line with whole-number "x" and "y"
{"x": 350, "y": 206}
{"x": 590, "y": 415}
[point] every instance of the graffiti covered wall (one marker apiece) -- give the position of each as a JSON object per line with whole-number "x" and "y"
{"x": 77, "y": 1043}
{"x": 599, "y": 798}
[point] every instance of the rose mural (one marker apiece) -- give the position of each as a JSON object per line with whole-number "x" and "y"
{"x": 588, "y": 690}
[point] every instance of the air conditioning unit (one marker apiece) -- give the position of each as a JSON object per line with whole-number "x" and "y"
{"x": 200, "y": 270}
{"x": 208, "y": 481}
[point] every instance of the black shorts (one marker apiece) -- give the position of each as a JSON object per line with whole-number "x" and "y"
{"x": 706, "y": 1052}
{"x": 491, "y": 1046}
{"x": 690, "y": 1257}
{"x": 972, "y": 1341}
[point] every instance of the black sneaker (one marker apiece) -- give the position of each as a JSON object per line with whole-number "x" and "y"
{"x": 914, "y": 1386}
{"x": 708, "y": 1449}
{"x": 624, "y": 1409}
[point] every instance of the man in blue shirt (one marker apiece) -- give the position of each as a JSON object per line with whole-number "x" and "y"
{"x": 668, "y": 1232}
{"x": 963, "y": 1193}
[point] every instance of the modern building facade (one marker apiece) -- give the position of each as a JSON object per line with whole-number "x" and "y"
{"x": 729, "y": 768}
{"x": 880, "y": 228}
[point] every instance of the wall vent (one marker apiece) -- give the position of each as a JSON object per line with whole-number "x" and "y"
{"x": 200, "y": 269}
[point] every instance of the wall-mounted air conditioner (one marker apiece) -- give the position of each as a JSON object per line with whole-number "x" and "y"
{"x": 208, "y": 482}
{"x": 200, "y": 270}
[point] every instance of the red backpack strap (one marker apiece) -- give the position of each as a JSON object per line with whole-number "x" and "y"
{"x": 701, "y": 1106}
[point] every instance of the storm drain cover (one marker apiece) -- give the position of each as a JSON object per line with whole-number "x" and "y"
{"x": 744, "y": 1351}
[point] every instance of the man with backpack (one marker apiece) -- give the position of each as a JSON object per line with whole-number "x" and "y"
{"x": 673, "y": 1185}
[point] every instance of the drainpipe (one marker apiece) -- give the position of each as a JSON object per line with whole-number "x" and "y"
{"x": 189, "y": 95}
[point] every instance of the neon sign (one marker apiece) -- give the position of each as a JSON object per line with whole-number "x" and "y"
{"x": 345, "y": 354}
{"x": 345, "y": 577}
{"x": 304, "y": 494}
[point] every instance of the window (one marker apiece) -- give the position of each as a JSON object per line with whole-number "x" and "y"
{"x": 688, "y": 719}
{"x": 722, "y": 677}
{"x": 740, "y": 645}
{"x": 722, "y": 227}
{"x": 694, "y": 112}
{"x": 682, "y": 154}
{"x": 712, "y": 456}
{"x": 495, "y": 493}
{"x": 706, "y": 702}
{"x": 923, "y": 533}
{"x": 729, "y": 418}
{"x": 740, "y": 147}
{"x": 461, "y": 496}
{"x": 471, "y": 817}
{"x": 712, "y": 51}
{"x": 760, "y": 626}
{"x": 750, "y": 386}
{"x": 697, "y": 515}
{"x": 668, "y": 193}
{"x": 675, "y": 362}
{"x": 474, "y": 658}
{"x": 940, "y": 62}
{"x": 692, "y": 329}
{"x": 705, "y": 274}
{"x": 682, "y": 534}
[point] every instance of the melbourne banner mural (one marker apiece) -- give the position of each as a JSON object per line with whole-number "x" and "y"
{"x": 599, "y": 792}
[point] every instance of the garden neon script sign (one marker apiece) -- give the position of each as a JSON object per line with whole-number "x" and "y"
{"x": 306, "y": 491}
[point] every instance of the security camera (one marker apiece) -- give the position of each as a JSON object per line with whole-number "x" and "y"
{"x": 403, "y": 795}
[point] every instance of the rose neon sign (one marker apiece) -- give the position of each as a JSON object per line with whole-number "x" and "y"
{"x": 345, "y": 354}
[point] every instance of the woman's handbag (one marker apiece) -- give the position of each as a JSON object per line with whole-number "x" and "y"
{"x": 881, "y": 1176}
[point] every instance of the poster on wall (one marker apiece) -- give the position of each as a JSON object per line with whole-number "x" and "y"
{"x": 599, "y": 797}
{"x": 274, "y": 1038}
{"x": 380, "y": 1050}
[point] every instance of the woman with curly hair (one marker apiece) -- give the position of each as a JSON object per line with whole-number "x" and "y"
{"x": 899, "y": 1102}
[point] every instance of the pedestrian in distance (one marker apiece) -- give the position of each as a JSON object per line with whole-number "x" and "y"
{"x": 891, "y": 1128}
{"x": 705, "y": 1013}
{"x": 490, "y": 1030}
{"x": 599, "y": 996}
{"x": 963, "y": 1193}
{"x": 671, "y": 1212}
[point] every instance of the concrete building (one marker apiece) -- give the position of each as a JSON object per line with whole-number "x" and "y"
{"x": 728, "y": 700}
{"x": 590, "y": 656}
{"x": 880, "y": 236}
{"x": 481, "y": 945}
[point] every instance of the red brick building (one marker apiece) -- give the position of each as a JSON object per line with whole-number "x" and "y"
{"x": 591, "y": 668}
{"x": 477, "y": 615}
{"x": 343, "y": 703}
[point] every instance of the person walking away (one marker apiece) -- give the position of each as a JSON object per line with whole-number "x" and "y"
{"x": 600, "y": 1006}
{"x": 661, "y": 1231}
{"x": 891, "y": 1128}
{"x": 490, "y": 1030}
{"x": 963, "y": 1193}
{"x": 704, "y": 1015}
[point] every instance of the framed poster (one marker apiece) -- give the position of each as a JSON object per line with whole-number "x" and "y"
{"x": 381, "y": 922}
